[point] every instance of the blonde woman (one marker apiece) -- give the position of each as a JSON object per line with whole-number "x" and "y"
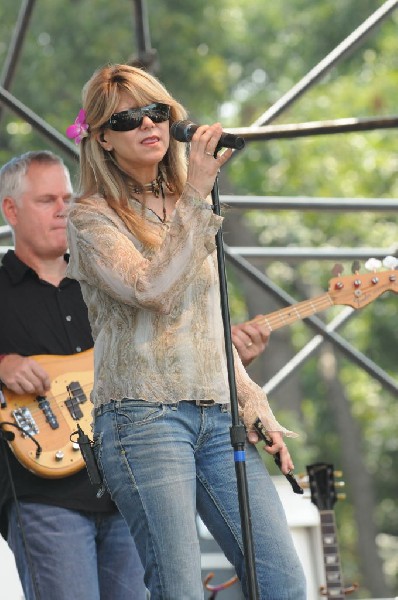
{"x": 142, "y": 243}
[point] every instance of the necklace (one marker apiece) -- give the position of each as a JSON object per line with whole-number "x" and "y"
{"x": 156, "y": 188}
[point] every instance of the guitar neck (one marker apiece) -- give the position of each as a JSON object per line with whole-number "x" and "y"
{"x": 354, "y": 290}
{"x": 334, "y": 584}
{"x": 295, "y": 312}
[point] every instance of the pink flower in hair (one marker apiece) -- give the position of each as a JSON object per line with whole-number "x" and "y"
{"x": 78, "y": 130}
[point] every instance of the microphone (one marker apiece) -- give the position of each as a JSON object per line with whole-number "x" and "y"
{"x": 182, "y": 131}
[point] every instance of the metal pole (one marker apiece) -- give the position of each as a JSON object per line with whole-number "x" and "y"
{"x": 354, "y": 355}
{"x": 296, "y": 130}
{"x": 327, "y": 63}
{"x": 42, "y": 126}
{"x": 237, "y": 432}
{"x": 16, "y": 43}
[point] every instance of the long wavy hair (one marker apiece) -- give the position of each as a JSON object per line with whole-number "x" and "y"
{"x": 99, "y": 172}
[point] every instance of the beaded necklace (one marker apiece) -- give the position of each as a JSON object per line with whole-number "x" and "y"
{"x": 156, "y": 188}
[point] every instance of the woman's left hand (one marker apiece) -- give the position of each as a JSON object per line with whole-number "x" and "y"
{"x": 278, "y": 445}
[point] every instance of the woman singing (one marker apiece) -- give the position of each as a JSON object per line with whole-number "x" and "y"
{"x": 142, "y": 243}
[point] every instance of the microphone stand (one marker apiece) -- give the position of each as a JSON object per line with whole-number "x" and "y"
{"x": 237, "y": 431}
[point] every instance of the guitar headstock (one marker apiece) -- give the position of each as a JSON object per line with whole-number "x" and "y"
{"x": 322, "y": 484}
{"x": 358, "y": 290}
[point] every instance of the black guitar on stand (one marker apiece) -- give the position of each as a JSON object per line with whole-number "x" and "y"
{"x": 324, "y": 496}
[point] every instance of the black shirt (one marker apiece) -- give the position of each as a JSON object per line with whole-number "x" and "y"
{"x": 37, "y": 317}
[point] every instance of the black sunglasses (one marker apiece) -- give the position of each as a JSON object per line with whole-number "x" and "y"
{"x": 133, "y": 117}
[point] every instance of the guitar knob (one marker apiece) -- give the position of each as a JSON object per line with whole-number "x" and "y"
{"x": 75, "y": 446}
{"x": 59, "y": 455}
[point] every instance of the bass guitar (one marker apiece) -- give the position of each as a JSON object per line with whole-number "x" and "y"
{"x": 47, "y": 422}
{"x": 323, "y": 494}
{"x": 356, "y": 291}
{"x": 42, "y": 441}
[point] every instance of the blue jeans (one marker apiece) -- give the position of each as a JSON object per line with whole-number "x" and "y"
{"x": 161, "y": 463}
{"x": 85, "y": 556}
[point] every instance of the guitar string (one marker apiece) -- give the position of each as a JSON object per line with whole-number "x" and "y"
{"x": 59, "y": 399}
{"x": 386, "y": 278}
{"x": 274, "y": 321}
{"x": 294, "y": 312}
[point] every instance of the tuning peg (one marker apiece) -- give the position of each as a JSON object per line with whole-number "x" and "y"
{"x": 337, "y": 270}
{"x": 390, "y": 262}
{"x": 341, "y": 496}
{"x": 372, "y": 264}
{"x": 338, "y": 473}
{"x": 339, "y": 484}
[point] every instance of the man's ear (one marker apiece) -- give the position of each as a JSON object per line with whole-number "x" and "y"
{"x": 10, "y": 210}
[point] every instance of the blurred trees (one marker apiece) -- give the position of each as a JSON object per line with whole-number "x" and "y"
{"x": 230, "y": 61}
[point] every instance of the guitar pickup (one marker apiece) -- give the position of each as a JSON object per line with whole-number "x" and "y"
{"x": 76, "y": 397}
{"x": 76, "y": 391}
{"x": 44, "y": 405}
{"x": 72, "y": 405}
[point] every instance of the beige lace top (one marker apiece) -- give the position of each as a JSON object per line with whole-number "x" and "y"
{"x": 155, "y": 314}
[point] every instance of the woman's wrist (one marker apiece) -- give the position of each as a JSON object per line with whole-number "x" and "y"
{"x": 195, "y": 197}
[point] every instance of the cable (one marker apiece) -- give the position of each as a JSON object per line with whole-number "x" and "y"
{"x": 14, "y": 496}
{"x": 39, "y": 449}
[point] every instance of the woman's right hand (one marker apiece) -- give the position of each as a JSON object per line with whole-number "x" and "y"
{"x": 203, "y": 165}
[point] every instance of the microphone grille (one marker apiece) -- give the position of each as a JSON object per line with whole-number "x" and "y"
{"x": 180, "y": 130}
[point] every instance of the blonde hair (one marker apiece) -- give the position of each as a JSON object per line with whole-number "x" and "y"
{"x": 99, "y": 172}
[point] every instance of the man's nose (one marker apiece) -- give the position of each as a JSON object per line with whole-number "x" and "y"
{"x": 62, "y": 206}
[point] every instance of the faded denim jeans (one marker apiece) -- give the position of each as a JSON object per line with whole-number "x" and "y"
{"x": 161, "y": 464}
{"x": 75, "y": 554}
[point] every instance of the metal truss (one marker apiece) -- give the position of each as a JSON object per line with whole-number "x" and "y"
{"x": 259, "y": 130}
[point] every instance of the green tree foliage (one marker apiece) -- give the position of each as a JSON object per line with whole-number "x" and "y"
{"x": 231, "y": 61}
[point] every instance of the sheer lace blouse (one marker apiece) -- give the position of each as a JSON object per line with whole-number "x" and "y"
{"x": 155, "y": 314}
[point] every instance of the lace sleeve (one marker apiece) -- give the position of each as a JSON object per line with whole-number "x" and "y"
{"x": 253, "y": 402}
{"x": 104, "y": 255}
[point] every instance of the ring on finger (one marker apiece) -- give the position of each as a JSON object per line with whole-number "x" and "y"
{"x": 249, "y": 344}
{"x": 209, "y": 153}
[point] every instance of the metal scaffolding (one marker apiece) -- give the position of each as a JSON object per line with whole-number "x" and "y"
{"x": 260, "y": 130}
